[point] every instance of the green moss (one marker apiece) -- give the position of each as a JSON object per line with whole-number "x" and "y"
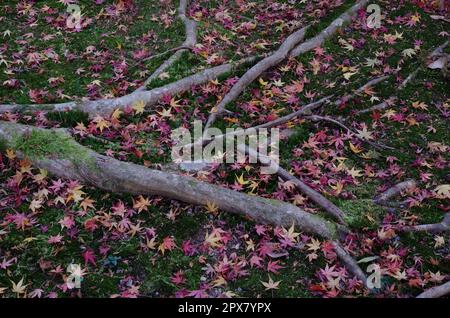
{"x": 39, "y": 144}
{"x": 3, "y": 146}
{"x": 361, "y": 213}
{"x": 68, "y": 119}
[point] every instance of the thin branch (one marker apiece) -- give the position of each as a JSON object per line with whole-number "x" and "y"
{"x": 313, "y": 195}
{"x": 361, "y": 89}
{"x": 338, "y": 123}
{"x": 395, "y": 191}
{"x": 443, "y": 226}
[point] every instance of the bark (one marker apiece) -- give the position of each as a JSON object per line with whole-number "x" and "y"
{"x": 329, "y": 31}
{"x": 254, "y": 72}
{"x": 436, "y": 292}
{"x": 105, "y": 107}
{"x": 338, "y": 123}
{"x": 190, "y": 27}
{"x": 394, "y": 191}
{"x": 360, "y": 90}
{"x": 112, "y": 175}
{"x": 444, "y": 226}
{"x": 313, "y": 195}
{"x": 305, "y": 110}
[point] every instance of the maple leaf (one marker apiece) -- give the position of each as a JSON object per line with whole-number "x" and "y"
{"x": 139, "y": 107}
{"x": 419, "y": 105}
{"x": 436, "y": 277}
{"x": 141, "y": 204}
{"x": 273, "y": 267}
{"x": 365, "y": 134}
{"x": 213, "y": 239}
{"x": 116, "y": 114}
{"x": 355, "y": 173}
{"x": 211, "y": 207}
{"x": 75, "y": 194}
{"x": 168, "y": 243}
{"x": 355, "y": 149}
{"x": 241, "y": 180}
{"x": 19, "y": 288}
{"x": 314, "y": 245}
{"x": 290, "y": 234}
{"x": 101, "y": 123}
{"x": 439, "y": 241}
{"x": 372, "y": 62}
{"x": 87, "y": 203}
{"x": 442, "y": 191}
{"x": 178, "y": 278}
{"x": 408, "y": 52}
{"x": 346, "y": 45}
{"x": 271, "y": 284}
{"x": 35, "y": 205}
{"x": 89, "y": 257}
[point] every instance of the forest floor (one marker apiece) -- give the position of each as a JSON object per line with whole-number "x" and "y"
{"x": 138, "y": 246}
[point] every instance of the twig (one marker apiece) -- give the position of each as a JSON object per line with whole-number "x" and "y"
{"x": 338, "y": 123}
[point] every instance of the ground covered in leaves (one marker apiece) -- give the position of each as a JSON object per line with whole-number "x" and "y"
{"x": 148, "y": 246}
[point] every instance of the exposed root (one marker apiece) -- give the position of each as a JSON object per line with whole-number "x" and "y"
{"x": 307, "y": 109}
{"x": 436, "y": 292}
{"x": 338, "y": 123}
{"x": 190, "y": 27}
{"x": 105, "y": 107}
{"x": 329, "y": 31}
{"x": 117, "y": 176}
{"x": 444, "y": 226}
{"x": 394, "y": 191}
{"x": 254, "y": 72}
{"x": 360, "y": 90}
{"x": 313, "y": 195}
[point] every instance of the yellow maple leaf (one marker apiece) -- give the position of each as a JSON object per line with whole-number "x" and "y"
{"x": 241, "y": 180}
{"x": 19, "y": 288}
{"x": 213, "y": 239}
{"x": 116, "y": 114}
{"x": 211, "y": 207}
{"x": 139, "y": 107}
{"x": 262, "y": 82}
{"x": 10, "y": 154}
{"x": 355, "y": 149}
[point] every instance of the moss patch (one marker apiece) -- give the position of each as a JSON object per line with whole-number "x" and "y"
{"x": 39, "y": 144}
{"x": 361, "y": 213}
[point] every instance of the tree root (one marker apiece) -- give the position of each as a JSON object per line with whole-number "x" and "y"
{"x": 394, "y": 191}
{"x": 358, "y": 91}
{"x": 190, "y": 27}
{"x": 117, "y": 176}
{"x": 338, "y": 123}
{"x": 444, "y": 226}
{"x": 105, "y": 107}
{"x": 254, "y": 72}
{"x": 313, "y": 195}
{"x": 329, "y": 31}
{"x": 436, "y": 292}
